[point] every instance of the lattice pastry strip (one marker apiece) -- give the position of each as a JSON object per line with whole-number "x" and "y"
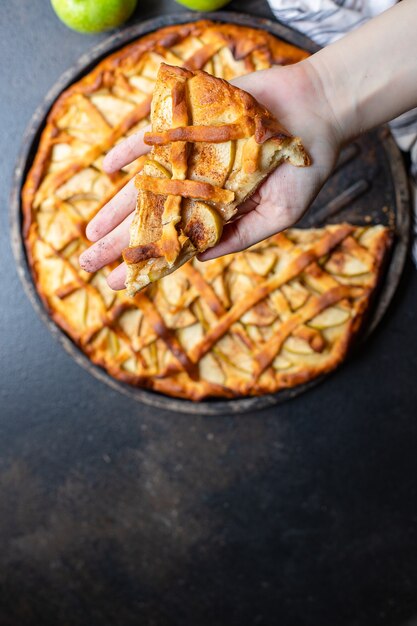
{"x": 306, "y": 340}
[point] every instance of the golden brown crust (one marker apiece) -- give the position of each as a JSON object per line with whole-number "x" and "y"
{"x": 142, "y": 253}
{"x": 221, "y": 158}
{"x": 150, "y": 341}
{"x": 242, "y": 41}
{"x": 184, "y": 188}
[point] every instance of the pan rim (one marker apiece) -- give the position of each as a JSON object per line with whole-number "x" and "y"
{"x": 30, "y": 141}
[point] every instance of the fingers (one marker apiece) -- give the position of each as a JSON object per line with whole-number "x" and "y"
{"x": 123, "y": 203}
{"x": 117, "y": 278}
{"x": 249, "y": 204}
{"x": 252, "y": 227}
{"x": 126, "y": 151}
{"x": 107, "y": 249}
{"x": 113, "y": 213}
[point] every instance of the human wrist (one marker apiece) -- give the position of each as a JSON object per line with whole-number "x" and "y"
{"x": 368, "y": 77}
{"x": 334, "y": 97}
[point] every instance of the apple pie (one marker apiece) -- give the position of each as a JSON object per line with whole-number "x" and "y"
{"x": 212, "y": 146}
{"x": 274, "y": 316}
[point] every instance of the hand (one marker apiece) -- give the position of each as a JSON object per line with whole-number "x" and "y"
{"x": 294, "y": 94}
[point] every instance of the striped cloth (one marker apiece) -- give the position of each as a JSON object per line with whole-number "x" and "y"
{"x": 325, "y": 21}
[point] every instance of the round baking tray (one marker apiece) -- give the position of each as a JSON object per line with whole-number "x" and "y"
{"x": 368, "y": 186}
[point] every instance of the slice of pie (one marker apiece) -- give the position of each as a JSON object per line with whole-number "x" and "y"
{"x": 212, "y": 146}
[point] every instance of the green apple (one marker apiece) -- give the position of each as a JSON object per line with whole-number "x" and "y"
{"x": 204, "y": 5}
{"x": 93, "y": 16}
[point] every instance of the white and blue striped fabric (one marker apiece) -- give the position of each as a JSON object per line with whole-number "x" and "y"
{"x": 325, "y": 21}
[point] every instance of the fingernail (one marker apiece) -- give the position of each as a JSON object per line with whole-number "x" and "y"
{"x": 113, "y": 284}
{"x": 107, "y": 164}
{"x": 85, "y": 261}
{"x": 91, "y": 231}
{"x": 109, "y": 281}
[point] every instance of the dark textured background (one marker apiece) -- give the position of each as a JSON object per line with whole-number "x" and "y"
{"x": 116, "y": 513}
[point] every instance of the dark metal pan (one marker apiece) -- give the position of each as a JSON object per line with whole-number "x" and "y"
{"x": 369, "y": 186}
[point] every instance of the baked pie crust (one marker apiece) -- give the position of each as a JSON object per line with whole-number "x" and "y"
{"x": 212, "y": 146}
{"x": 258, "y": 321}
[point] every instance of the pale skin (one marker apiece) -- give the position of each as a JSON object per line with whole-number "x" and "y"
{"x": 363, "y": 80}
